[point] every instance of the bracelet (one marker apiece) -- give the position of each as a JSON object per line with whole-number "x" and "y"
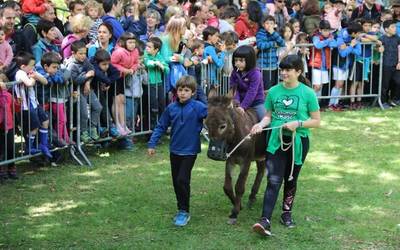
{"x": 299, "y": 124}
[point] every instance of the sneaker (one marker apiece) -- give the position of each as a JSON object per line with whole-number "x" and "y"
{"x": 182, "y": 218}
{"x": 114, "y": 132}
{"x": 263, "y": 227}
{"x": 103, "y": 132}
{"x": 286, "y": 220}
{"x": 393, "y": 104}
{"x": 386, "y": 106}
{"x": 85, "y": 137}
{"x": 397, "y": 102}
{"x": 126, "y": 144}
{"x": 93, "y": 133}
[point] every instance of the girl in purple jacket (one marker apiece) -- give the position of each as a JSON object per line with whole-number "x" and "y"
{"x": 246, "y": 81}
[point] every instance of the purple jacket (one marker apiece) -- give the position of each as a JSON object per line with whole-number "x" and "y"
{"x": 249, "y": 87}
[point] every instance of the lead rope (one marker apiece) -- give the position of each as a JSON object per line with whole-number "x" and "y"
{"x": 283, "y": 144}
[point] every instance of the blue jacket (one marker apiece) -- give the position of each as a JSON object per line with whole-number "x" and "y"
{"x": 344, "y": 58}
{"x": 138, "y": 27}
{"x": 57, "y": 88}
{"x": 41, "y": 47}
{"x": 117, "y": 27}
{"x": 186, "y": 121}
{"x": 218, "y": 62}
{"x": 266, "y": 44}
{"x": 108, "y": 78}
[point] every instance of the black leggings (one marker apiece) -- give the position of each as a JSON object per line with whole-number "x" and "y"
{"x": 278, "y": 169}
{"x": 181, "y": 168}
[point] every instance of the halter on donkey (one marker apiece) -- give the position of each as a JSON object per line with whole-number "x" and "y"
{"x": 227, "y": 127}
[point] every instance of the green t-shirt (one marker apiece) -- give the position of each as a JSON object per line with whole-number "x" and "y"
{"x": 290, "y": 105}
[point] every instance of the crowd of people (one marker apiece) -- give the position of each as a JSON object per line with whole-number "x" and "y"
{"x": 109, "y": 56}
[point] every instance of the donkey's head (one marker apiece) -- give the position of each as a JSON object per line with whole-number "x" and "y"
{"x": 220, "y": 125}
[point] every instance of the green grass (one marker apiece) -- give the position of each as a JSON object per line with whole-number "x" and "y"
{"x": 348, "y": 198}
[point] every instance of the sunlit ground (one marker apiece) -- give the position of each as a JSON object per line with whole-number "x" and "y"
{"x": 348, "y": 198}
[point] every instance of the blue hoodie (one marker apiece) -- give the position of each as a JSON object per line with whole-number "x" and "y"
{"x": 118, "y": 30}
{"x": 186, "y": 121}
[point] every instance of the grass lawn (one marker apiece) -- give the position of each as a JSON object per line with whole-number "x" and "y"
{"x": 348, "y": 198}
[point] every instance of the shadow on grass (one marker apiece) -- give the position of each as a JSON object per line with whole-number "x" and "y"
{"x": 348, "y": 198}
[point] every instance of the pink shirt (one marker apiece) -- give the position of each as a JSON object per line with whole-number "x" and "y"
{"x": 6, "y": 53}
{"x": 123, "y": 59}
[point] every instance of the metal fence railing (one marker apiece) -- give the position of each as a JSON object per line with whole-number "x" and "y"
{"x": 72, "y": 117}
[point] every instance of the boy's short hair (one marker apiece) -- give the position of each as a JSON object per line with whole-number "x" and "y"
{"x": 354, "y": 28}
{"x": 230, "y": 38}
{"x": 295, "y": 2}
{"x": 230, "y": 11}
{"x": 125, "y": 37}
{"x": 50, "y": 57}
{"x": 366, "y": 20}
{"x": 268, "y": 18}
{"x": 209, "y": 31}
{"x": 102, "y": 56}
{"x": 23, "y": 58}
{"x": 77, "y": 45}
{"x": 108, "y": 4}
{"x": 72, "y": 4}
{"x": 44, "y": 25}
{"x": 196, "y": 44}
{"x": 157, "y": 43}
{"x": 187, "y": 81}
{"x": 386, "y": 24}
{"x": 324, "y": 25}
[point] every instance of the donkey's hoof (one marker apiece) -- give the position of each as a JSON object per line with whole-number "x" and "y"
{"x": 232, "y": 221}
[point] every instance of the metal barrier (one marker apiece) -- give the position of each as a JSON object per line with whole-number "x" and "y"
{"x": 346, "y": 77}
{"x": 131, "y": 107}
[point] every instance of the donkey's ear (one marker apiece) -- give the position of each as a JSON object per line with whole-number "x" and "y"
{"x": 212, "y": 93}
{"x": 231, "y": 93}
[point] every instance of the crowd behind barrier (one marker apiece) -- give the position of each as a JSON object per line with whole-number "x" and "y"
{"x": 77, "y": 108}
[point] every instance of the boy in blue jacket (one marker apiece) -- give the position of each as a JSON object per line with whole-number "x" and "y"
{"x": 211, "y": 47}
{"x": 268, "y": 40}
{"x": 185, "y": 116}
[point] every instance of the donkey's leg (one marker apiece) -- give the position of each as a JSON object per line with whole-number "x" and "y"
{"x": 239, "y": 191}
{"x": 228, "y": 187}
{"x": 257, "y": 182}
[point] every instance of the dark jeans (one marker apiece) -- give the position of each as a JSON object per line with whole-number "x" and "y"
{"x": 157, "y": 103}
{"x": 278, "y": 169}
{"x": 390, "y": 74}
{"x": 181, "y": 168}
{"x": 270, "y": 78}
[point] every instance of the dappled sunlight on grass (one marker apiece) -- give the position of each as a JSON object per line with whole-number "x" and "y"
{"x": 387, "y": 177}
{"x": 342, "y": 189}
{"x": 368, "y": 209}
{"x": 317, "y": 157}
{"x": 329, "y": 177}
{"x": 47, "y": 209}
{"x": 94, "y": 173}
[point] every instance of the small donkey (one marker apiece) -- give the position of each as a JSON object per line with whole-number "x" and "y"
{"x": 226, "y": 128}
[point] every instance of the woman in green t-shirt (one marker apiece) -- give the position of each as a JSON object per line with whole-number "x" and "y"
{"x": 293, "y": 108}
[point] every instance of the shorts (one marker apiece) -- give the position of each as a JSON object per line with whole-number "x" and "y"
{"x": 319, "y": 77}
{"x": 359, "y": 73}
{"x": 35, "y": 117}
{"x": 340, "y": 74}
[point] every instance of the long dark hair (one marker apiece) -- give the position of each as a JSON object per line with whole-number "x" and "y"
{"x": 295, "y": 62}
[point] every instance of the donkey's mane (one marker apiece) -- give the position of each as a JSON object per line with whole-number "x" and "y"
{"x": 221, "y": 101}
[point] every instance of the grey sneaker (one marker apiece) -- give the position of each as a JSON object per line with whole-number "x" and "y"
{"x": 263, "y": 227}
